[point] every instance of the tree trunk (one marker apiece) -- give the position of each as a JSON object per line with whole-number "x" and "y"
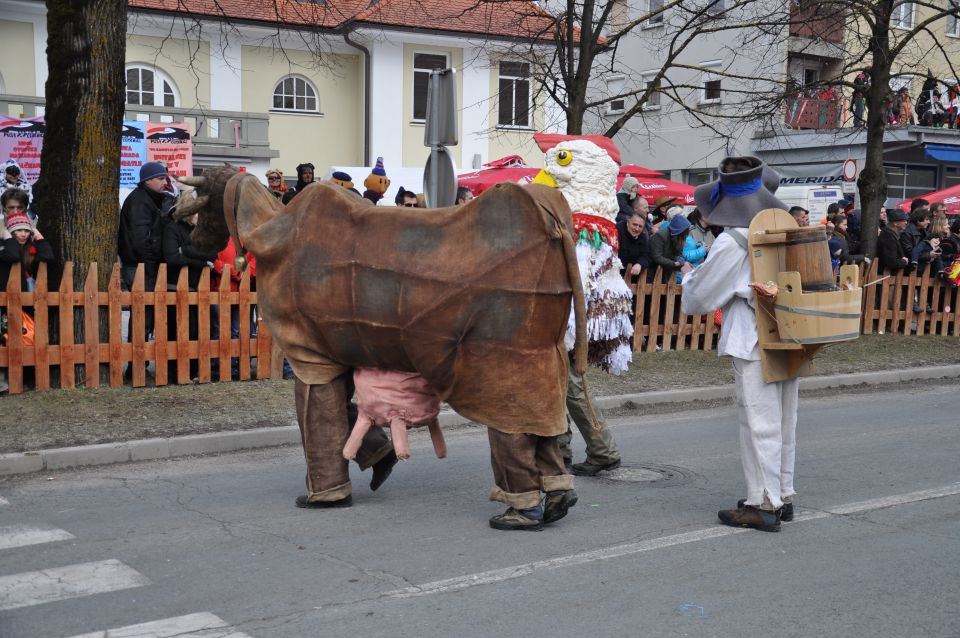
{"x": 78, "y": 188}
{"x": 873, "y": 180}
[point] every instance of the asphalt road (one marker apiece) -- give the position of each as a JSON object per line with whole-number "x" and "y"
{"x": 213, "y": 546}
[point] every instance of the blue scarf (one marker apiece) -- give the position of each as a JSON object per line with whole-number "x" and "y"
{"x": 734, "y": 190}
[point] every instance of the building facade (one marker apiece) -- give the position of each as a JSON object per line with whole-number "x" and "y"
{"x": 292, "y": 82}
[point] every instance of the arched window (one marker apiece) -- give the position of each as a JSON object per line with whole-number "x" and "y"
{"x": 294, "y": 93}
{"x": 149, "y": 86}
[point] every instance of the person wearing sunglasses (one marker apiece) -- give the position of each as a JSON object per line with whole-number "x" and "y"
{"x": 275, "y": 183}
{"x": 405, "y": 198}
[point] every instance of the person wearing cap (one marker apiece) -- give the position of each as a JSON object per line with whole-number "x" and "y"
{"x": 141, "y": 227}
{"x": 20, "y": 243}
{"x": 275, "y": 183}
{"x": 304, "y": 178}
{"x": 659, "y": 211}
{"x": 666, "y": 247}
{"x": 768, "y": 411}
{"x": 889, "y": 249}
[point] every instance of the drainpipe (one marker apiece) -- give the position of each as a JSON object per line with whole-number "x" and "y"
{"x": 347, "y": 29}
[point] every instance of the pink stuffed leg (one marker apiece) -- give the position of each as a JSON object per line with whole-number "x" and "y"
{"x": 356, "y": 436}
{"x": 398, "y": 436}
{"x": 439, "y": 445}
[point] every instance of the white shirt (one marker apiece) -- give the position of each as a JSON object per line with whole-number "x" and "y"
{"x": 723, "y": 281}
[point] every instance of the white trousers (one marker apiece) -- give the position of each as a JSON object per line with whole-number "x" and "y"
{"x": 768, "y": 428}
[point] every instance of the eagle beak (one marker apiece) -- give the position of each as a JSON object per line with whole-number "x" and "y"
{"x": 545, "y": 178}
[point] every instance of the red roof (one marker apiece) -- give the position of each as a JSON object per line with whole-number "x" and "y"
{"x": 507, "y": 18}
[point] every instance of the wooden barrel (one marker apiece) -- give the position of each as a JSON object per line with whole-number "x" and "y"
{"x": 808, "y": 254}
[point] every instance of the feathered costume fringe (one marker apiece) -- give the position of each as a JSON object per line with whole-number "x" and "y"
{"x": 608, "y": 299}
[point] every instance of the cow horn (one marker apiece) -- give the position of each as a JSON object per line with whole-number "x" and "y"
{"x": 193, "y": 181}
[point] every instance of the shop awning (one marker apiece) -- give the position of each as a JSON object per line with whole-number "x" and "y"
{"x": 943, "y": 152}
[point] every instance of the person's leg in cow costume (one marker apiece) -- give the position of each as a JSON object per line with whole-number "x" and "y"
{"x": 325, "y": 415}
{"x": 524, "y": 465}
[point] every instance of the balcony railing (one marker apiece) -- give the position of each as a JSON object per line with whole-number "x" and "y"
{"x": 218, "y": 133}
{"x": 814, "y": 112}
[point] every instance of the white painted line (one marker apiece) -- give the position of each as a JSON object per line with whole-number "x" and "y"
{"x": 202, "y": 625}
{"x": 517, "y": 571}
{"x": 72, "y": 581}
{"x": 3, "y": 501}
{"x": 23, "y": 535}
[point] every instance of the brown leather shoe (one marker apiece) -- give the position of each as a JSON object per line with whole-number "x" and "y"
{"x": 752, "y": 517}
{"x": 515, "y": 520}
{"x": 785, "y": 511}
{"x": 302, "y": 501}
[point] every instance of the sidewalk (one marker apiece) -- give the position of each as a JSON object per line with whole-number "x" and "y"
{"x": 232, "y": 441}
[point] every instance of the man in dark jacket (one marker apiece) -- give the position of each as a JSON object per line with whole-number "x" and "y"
{"x": 304, "y": 179}
{"x": 916, "y": 230}
{"x": 141, "y": 227}
{"x": 889, "y": 249}
{"x": 634, "y": 243}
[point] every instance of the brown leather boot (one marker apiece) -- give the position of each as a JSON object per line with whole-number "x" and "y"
{"x": 752, "y": 517}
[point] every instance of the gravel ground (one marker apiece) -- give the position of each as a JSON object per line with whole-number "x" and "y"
{"x": 38, "y": 420}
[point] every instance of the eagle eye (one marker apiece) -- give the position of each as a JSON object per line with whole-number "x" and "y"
{"x": 564, "y": 157}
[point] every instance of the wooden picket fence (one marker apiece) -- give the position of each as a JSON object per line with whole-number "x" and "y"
{"x": 62, "y": 351}
{"x": 888, "y": 307}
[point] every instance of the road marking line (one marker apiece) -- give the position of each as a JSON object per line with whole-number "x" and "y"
{"x": 23, "y": 535}
{"x": 3, "y": 501}
{"x": 458, "y": 583}
{"x": 202, "y": 625}
{"x": 72, "y": 581}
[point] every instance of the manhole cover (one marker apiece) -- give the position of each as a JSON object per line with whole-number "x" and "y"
{"x": 649, "y": 473}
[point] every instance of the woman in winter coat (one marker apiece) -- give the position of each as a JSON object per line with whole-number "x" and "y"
{"x": 666, "y": 247}
{"x": 21, "y": 243}
{"x": 626, "y": 196}
{"x": 700, "y": 230}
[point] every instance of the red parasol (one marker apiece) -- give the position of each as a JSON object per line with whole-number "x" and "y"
{"x": 949, "y": 196}
{"x": 651, "y": 188}
{"x": 506, "y": 169}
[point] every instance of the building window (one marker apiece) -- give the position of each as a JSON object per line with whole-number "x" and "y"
{"x": 906, "y": 181}
{"x": 423, "y": 64}
{"x": 615, "y": 87}
{"x": 294, "y": 93}
{"x": 513, "y": 100}
{"x": 698, "y": 176}
{"x": 953, "y": 18}
{"x": 951, "y": 176}
{"x": 711, "y": 90}
{"x": 715, "y": 7}
{"x": 655, "y": 11}
{"x": 902, "y": 16}
{"x": 650, "y": 82}
{"x": 149, "y": 86}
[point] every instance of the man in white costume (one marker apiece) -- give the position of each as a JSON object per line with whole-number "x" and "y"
{"x": 768, "y": 411}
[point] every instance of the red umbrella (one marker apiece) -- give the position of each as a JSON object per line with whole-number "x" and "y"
{"x": 652, "y": 188}
{"x": 506, "y": 169}
{"x": 949, "y": 196}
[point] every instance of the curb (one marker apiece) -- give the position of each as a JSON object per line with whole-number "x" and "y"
{"x": 220, "y": 442}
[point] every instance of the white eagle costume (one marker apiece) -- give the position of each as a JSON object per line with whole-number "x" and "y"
{"x": 585, "y": 169}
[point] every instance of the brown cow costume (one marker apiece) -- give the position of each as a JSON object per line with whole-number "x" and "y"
{"x": 474, "y": 298}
